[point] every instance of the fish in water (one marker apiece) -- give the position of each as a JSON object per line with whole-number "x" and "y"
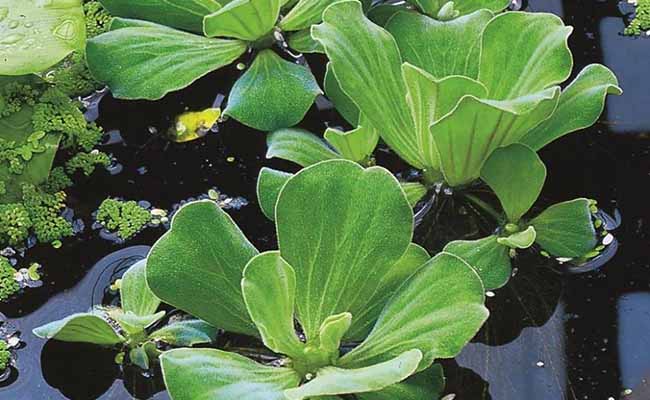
{"x": 193, "y": 125}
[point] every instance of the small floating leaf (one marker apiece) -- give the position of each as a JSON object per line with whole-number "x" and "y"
{"x": 243, "y": 19}
{"x": 193, "y": 125}
{"x": 83, "y": 327}
{"x": 519, "y": 240}
{"x": 272, "y": 94}
{"x": 488, "y": 258}
{"x": 299, "y": 146}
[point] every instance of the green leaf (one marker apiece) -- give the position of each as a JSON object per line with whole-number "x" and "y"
{"x": 138, "y": 356}
{"x": 426, "y": 385}
{"x": 356, "y": 145}
{"x": 467, "y": 136}
{"x": 488, "y": 258}
{"x": 366, "y": 62}
{"x": 134, "y": 292}
{"x": 332, "y": 332}
{"x": 197, "y": 267}
{"x": 440, "y": 48}
{"x": 414, "y": 258}
{"x": 18, "y": 128}
{"x": 519, "y": 240}
{"x": 273, "y": 94}
{"x": 341, "y": 228}
{"x": 186, "y": 333}
{"x": 343, "y": 104}
{"x": 414, "y": 191}
{"x": 299, "y": 146}
{"x": 438, "y": 310}
{"x": 243, "y": 19}
{"x": 192, "y": 374}
{"x": 542, "y": 57}
{"x": 134, "y": 324}
{"x": 431, "y": 99}
{"x": 149, "y": 62}
{"x": 580, "y": 105}
{"x": 35, "y": 35}
{"x": 333, "y": 380}
{"x": 83, "y": 328}
{"x": 302, "y": 42}
{"x": 565, "y": 229}
{"x": 469, "y": 6}
{"x": 304, "y": 14}
{"x": 120, "y": 23}
{"x": 269, "y": 184}
{"x": 181, "y": 14}
{"x": 269, "y": 289}
{"x": 517, "y": 175}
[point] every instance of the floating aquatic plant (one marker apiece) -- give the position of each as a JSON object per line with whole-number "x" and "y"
{"x": 565, "y": 230}
{"x": 125, "y": 218}
{"x": 134, "y": 328}
{"x": 444, "y": 95}
{"x": 173, "y": 43}
{"x": 8, "y": 283}
{"x": 640, "y": 24}
{"x": 345, "y": 272}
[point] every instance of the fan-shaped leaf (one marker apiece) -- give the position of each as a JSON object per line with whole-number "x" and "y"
{"x": 135, "y": 293}
{"x": 197, "y": 266}
{"x": 83, "y": 328}
{"x": 341, "y": 228}
{"x": 243, "y": 19}
{"x": 299, "y": 146}
{"x": 488, "y": 258}
{"x": 272, "y": 94}
{"x": 269, "y": 184}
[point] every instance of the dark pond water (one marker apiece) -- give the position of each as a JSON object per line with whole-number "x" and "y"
{"x": 551, "y": 336}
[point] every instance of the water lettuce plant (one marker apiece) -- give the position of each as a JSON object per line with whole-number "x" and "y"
{"x": 565, "y": 230}
{"x": 348, "y": 305}
{"x": 163, "y": 46}
{"x": 132, "y": 328}
{"x": 444, "y": 95}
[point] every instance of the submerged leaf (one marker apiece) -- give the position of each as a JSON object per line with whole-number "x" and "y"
{"x": 565, "y": 229}
{"x": 135, "y": 293}
{"x": 438, "y": 310}
{"x": 273, "y": 94}
{"x": 83, "y": 328}
{"x": 341, "y": 228}
{"x": 488, "y": 258}
{"x": 517, "y": 175}
{"x": 243, "y": 19}
{"x": 580, "y": 105}
{"x": 149, "y": 62}
{"x": 299, "y": 146}
{"x": 197, "y": 266}
{"x": 192, "y": 374}
{"x": 333, "y": 380}
{"x": 35, "y": 35}
{"x": 182, "y": 14}
{"x": 269, "y": 289}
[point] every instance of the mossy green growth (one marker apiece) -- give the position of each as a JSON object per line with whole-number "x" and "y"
{"x": 87, "y": 162}
{"x": 641, "y": 22}
{"x": 126, "y": 218}
{"x": 5, "y": 355}
{"x": 8, "y": 287}
{"x": 45, "y": 212}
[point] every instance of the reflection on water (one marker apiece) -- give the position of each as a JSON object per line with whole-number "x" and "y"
{"x": 634, "y": 333}
{"x": 630, "y": 59}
